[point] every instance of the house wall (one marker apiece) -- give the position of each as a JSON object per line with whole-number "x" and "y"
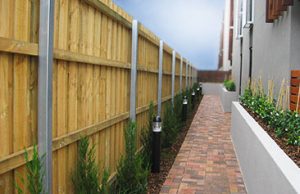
{"x": 271, "y": 46}
{"x": 276, "y": 47}
{"x": 236, "y": 63}
{"x": 246, "y": 54}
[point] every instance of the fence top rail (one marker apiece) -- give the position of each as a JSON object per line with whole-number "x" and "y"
{"x": 168, "y": 49}
{"x": 148, "y": 34}
{"x": 178, "y": 56}
{"x": 118, "y": 14}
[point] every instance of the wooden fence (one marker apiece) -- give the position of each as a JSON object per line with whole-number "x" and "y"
{"x": 213, "y": 76}
{"x": 91, "y": 83}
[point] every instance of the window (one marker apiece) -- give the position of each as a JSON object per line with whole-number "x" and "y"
{"x": 236, "y": 19}
{"x": 244, "y": 16}
{"x": 240, "y": 19}
{"x": 250, "y": 12}
{"x": 244, "y": 12}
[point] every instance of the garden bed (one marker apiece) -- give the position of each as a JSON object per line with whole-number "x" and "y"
{"x": 292, "y": 151}
{"x": 266, "y": 168}
{"x": 168, "y": 155}
{"x": 227, "y": 97}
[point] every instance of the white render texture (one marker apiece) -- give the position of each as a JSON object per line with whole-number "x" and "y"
{"x": 265, "y": 167}
{"x": 227, "y": 97}
{"x": 276, "y": 47}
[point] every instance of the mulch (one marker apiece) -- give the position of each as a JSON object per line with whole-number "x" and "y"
{"x": 292, "y": 151}
{"x": 168, "y": 155}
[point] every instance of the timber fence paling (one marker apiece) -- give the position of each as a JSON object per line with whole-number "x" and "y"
{"x": 90, "y": 89}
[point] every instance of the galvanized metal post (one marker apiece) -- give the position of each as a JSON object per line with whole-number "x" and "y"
{"x": 161, "y": 52}
{"x": 197, "y": 80}
{"x": 180, "y": 79}
{"x": 173, "y": 75}
{"x": 192, "y": 75}
{"x": 45, "y": 90}
{"x": 189, "y": 75}
{"x": 195, "y": 75}
{"x": 134, "y": 46}
{"x": 189, "y": 80}
{"x": 186, "y": 75}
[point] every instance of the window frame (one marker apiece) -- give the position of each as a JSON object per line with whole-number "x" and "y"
{"x": 250, "y": 12}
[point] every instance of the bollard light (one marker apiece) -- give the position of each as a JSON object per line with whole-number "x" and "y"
{"x": 156, "y": 132}
{"x": 193, "y": 99}
{"x": 200, "y": 87}
{"x": 184, "y": 108}
{"x": 198, "y": 91}
{"x": 198, "y": 94}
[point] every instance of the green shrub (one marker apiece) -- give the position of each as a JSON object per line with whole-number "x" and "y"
{"x": 170, "y": 126}
{"x": 105, "y": 187}
{"x": 131, "y": 177}
{"x": 146, "y": 139}
{"x": 229, "y": 85}
{"x": 178, "y": 100}
{"x": 190, "y": 107}
{"x": 34, "y": 174}
{"x": 86, "y": 176}
{"x": 195, "y": 86}
{"x": 286, "y": 123}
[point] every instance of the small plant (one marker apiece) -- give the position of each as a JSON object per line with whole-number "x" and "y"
{"x": 229, "y": 85}
{"x": 195, "y": 86}
{"x": 105, "y": 189}
{"x": 146, "y": 139}
{"x": 86, "y": 176}
{"x": 131, "y": 177}
{"x": 170, "y": 127}
{"x": 178, "y": 100}
{"x": 188, "y": 94}
{"x": 34, "y": 173}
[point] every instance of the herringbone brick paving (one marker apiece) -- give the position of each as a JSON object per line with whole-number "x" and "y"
{"x": 206, "y": 162}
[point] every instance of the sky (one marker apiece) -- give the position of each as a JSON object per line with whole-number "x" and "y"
{"x": 190, "y": 27}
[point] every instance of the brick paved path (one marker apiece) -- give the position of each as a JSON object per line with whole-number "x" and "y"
{"x": 206, "y": 162}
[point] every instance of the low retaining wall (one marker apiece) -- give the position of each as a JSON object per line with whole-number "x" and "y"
{"x": 264, "y": 165}
{"x": 227, "y": 97}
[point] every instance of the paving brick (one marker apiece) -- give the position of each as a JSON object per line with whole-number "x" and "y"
{"x": 206, "y": 162}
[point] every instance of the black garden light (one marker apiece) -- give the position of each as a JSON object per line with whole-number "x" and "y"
{"x": 200, "y": 87}
{"x": 156, "y": 144}
{"x": 193, "y": 99}
{"x": 198, "y": 93}
{"x": 184, "y": 108}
